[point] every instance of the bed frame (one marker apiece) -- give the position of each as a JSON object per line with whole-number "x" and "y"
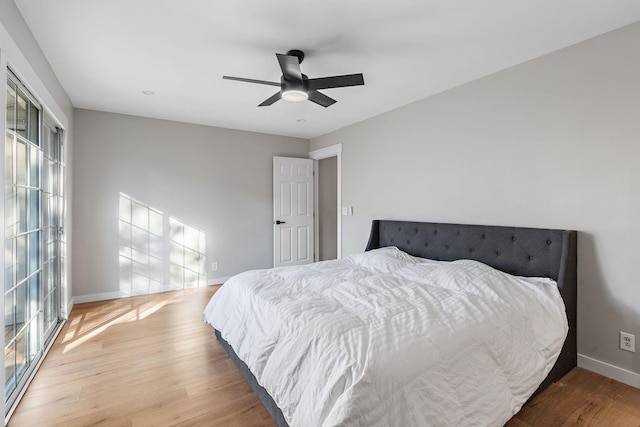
{"x": 530, "y": 252}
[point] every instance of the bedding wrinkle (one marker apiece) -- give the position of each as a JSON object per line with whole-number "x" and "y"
{"x": 458, "y": 327}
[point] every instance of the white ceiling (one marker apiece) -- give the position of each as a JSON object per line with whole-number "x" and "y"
{"x": 106, "y": 53}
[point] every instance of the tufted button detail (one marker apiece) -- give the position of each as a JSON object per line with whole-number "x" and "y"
{"x": 435, "y": 232}
{"x": 498, "y": 253}
{"x": 549, "y": 242}
{"x": 513, "y": 238}
{"x": 484, "y": 236}
{"x": 446, "y": 247}
{"x": 529, "y": 257}
{"x": 408, "y": 242}
{"x": 471, "y": 250}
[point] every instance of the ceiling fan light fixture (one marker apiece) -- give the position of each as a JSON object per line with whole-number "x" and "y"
{"x": 294, "y": 95}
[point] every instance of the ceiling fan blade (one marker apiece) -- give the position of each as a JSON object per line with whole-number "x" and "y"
{"x": 321, "y": 99}
{"x": 275, "y": 97}
{"x": 290, "y": 66}
{"x": 240, "y": 79}
{"x": 336, "y": 81}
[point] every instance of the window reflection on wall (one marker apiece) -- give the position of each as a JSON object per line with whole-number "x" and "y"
{"x": 188, "y": 260}
{"x": 144, "y": 247}
{"x": 140, "y": 247}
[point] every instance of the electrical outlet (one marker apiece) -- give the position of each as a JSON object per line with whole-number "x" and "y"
{"x": 627, "y": 342}
{"x": 214, "y": 266}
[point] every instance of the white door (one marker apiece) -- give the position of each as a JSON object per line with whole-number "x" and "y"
{"x": 292, "y": 211}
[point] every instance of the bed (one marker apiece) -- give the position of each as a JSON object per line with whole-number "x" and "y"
{"x": 522, "y": 252}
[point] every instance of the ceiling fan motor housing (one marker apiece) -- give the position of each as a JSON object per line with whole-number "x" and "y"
{"x": 294, "y": 90}
{"x": 302, "y": 85}
{"x": 298, "y": 54}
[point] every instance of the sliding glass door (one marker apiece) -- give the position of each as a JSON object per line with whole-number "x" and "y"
{"x": 34, "y": 201}
{"x": 53, "y": 203}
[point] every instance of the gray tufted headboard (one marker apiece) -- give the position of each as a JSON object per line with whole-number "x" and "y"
{"x": 519, "y": 251}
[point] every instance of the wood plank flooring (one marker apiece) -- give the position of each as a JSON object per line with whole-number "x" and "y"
{"x": 152, "y": 361}
{"x": 582, "y": 398}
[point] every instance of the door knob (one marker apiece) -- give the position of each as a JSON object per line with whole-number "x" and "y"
{"x": 280, "y": 222}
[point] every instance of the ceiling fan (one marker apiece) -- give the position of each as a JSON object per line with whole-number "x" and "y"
{"x": 296, "y": 87}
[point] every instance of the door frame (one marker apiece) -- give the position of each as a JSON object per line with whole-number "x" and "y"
{"x": 316, "y": 155}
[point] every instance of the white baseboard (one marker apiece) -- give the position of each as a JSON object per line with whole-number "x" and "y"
{"x": 610, "y": 371}
{"x": 79, "y": 299}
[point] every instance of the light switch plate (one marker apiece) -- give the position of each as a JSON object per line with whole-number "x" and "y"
{"x": 347, "y": 211}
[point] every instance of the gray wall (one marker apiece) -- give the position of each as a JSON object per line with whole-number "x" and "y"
{"x": 553, "y": 142}
{"x": 217, "y": 180}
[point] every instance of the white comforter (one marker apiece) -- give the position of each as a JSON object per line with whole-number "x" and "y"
{"x": 386, "y": 339}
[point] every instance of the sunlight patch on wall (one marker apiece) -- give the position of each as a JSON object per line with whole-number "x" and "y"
{"x": 145, "y": 247}
{"x": 141, "y": 247}
{"x": 188, "y": 259}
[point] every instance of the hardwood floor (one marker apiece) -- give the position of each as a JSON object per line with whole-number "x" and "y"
{"x": 151, "y": 360}
{"x": 582, "y": 398}
{"x": 148, "y": 360}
